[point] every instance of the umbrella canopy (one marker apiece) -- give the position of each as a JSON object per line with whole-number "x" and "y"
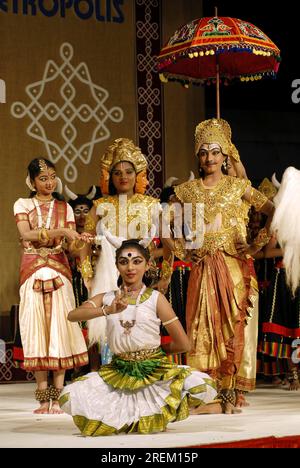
{"x": 229, "y": 46}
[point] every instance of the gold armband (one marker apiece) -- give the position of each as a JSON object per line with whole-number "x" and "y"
{"x": 257, "y": 199}
{"x": 86, "y": 269}
{"x": 166, "y": 270}
{"x": 261, "y": 239}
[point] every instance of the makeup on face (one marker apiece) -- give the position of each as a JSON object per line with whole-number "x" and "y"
{"x": 211, "y": 157}
{"x": 45, "y": 182}
{"x": 123, "y": 170}
{"x": 81, "y": 210}
{"x": 131, "y": 257}
{"x": 80, "y": 213}
{"x": 124, "y": 176}
{"x": 209, "y": 148}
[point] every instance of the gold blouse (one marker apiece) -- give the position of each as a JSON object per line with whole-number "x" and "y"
{"x": 225, "y": 212}
{"x": 128, "y": 216}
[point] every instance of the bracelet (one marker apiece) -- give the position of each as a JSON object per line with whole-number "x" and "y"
{"x": 170, "y": 321}
{"x": 77, "y": 244}
{"x": 43, "y": 235}
{"x": 104, "y": 311}
{"x": 96, "y": 307}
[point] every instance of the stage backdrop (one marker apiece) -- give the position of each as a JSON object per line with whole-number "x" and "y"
{"x": 78, "y": 74}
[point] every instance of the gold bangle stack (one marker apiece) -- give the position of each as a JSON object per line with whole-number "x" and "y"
{"x": 86, "y": 269}
{"x": 166, "y": 270}
{"x": 43, "y": 236}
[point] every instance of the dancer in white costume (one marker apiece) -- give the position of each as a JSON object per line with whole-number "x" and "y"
{"x": 140, "y": 390}
{"x": 123, "y": 209}
{"x": 49, "y": 341}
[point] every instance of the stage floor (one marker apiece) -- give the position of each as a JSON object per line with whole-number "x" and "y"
{"x": 272, "y": 412}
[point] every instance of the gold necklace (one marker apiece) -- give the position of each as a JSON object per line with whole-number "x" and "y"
{"x": 129, "y": 324}
{"x": 131, "y": 291}
{"x": 45, "y": 200}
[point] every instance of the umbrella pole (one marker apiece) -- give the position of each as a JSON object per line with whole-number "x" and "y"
{"x": 218, "y": 90}
{"x": 217, "y": 79}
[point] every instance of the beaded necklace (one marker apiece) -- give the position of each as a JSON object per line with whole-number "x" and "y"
{"x": 129, "y": 324}
{"x": 41, "y": 224}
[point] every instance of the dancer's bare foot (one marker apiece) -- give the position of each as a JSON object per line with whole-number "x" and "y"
{"x": 294, "y": 385}
{"x": 55, "y": 408}
{"x": 229, "y": 408}
{"x": 43, "y": 409}
{"x": 211, "y": 408}
{"x": 293, "y": 379}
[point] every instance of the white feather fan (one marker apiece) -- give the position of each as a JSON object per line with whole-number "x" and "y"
{"x": 286, "y": 224}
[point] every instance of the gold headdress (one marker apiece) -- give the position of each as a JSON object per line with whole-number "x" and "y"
{"x": 216, "y": 131}
{"x": 267, "y": 188}
{"x": 121, "y": 149}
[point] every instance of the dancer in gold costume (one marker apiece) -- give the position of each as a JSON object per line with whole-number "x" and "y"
{"x": 125, "y": 211}
{"x": 219, "y": 293}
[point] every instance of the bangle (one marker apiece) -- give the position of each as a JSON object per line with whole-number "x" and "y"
{"x": 43, "y": 235}
{"x": 104, "y": 311}
{"x": 77, "y": 244}
{"x": 170, "y": 321}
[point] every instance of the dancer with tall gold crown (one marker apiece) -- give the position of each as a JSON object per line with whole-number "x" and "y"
{"x": 124, "y": 211}
{"x": 219, "y": 292}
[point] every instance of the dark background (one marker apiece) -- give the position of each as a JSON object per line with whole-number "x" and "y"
{"x": 264, "y": 120}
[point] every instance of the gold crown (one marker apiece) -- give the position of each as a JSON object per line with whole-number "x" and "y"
{"x": 216, "y": 131}
{"x": 123, "y": 149}
{"x": 267, "y": 188}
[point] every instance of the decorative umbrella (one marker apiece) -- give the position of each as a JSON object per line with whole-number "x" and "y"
{"x": 216, "y": 48}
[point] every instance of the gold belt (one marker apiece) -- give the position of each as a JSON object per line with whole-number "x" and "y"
{"x": 139, "y": 355}
{"x": 43, "y": 251}
{"x": 222, "y": 240}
